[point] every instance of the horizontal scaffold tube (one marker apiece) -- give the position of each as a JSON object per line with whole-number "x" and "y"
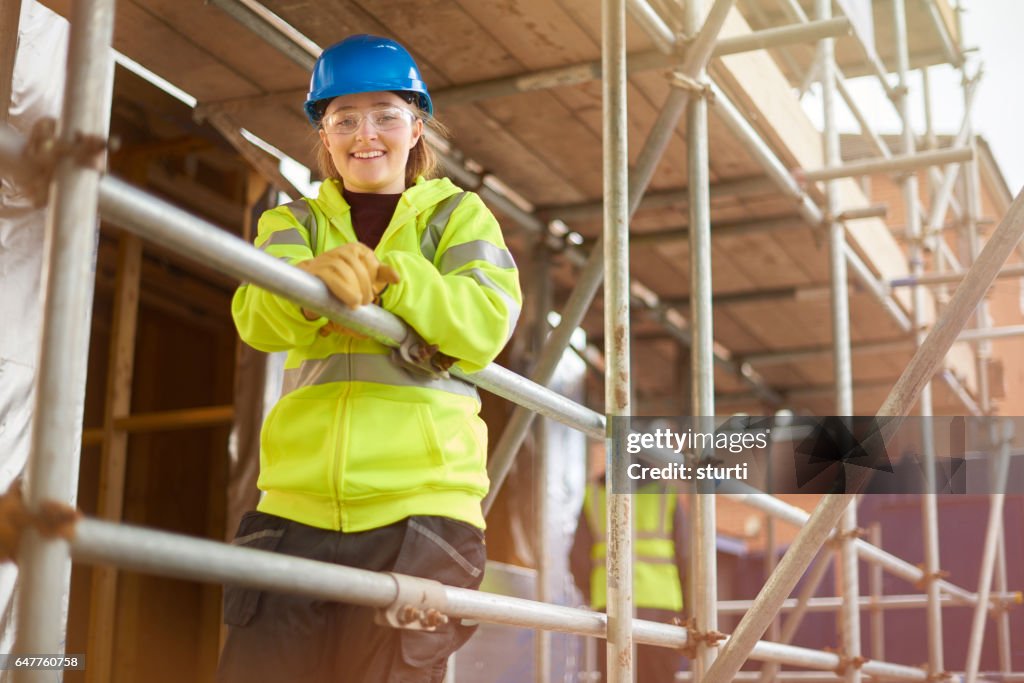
{"x": 793, "y": 515}
{"x": 186, "y": 234}
{"x": 165, "y": 224}
{"x": 903, "y": 162}
{"x": 174, "y": 555}
{"x": 885, "y": 602}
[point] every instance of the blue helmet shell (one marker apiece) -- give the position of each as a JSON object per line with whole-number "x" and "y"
{"x": 364, "y": 63}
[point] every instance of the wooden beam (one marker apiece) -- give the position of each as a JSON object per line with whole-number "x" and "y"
{"x": 171, "y": 420}
{"x": 264, "y": 164}
{"x": 166, "y": 420}
{"x": 120, "y": 368}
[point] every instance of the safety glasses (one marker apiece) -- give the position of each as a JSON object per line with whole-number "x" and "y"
{"x": 385, "y": 118}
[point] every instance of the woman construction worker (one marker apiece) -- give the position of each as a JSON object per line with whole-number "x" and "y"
{"x": 372, "y": 458}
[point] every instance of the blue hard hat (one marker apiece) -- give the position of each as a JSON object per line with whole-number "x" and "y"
{"x": 364, "y": 63}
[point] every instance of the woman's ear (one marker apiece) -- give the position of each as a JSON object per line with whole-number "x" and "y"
{"x": 417, "y": 132}
{"x": 323, "y": 136}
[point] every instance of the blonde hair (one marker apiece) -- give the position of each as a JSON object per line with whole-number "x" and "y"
{"x": 422, "y": 161}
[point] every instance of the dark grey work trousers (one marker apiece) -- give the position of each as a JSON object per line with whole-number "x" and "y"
{"x": 278, "y": 638}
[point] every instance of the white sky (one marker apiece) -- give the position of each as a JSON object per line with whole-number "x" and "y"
{"x": 995, "y": 27}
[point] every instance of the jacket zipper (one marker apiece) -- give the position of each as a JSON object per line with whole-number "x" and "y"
{"x": 340, "y": 445}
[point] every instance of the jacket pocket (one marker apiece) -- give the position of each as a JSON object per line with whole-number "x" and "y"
{"x": 392, "y": 446}
{"x": 297, "y": 441}
{"x": 259, "y": 532}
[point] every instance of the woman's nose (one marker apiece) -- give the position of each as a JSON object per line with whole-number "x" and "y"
{"x": 366, "y": 129}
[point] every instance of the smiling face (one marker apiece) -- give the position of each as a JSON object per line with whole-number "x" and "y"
{"x": 368, "y": 159}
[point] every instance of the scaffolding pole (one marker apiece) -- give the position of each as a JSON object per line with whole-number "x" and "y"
{"x": 849, "y": 613}
{"x": 988, "y": 558}
{"x": 999, "y": 601}
{"x": 877, "y": 600}
{"x": 867, "y": 552}
{"x": 52, "y": 469}
{"x": 161, "y": 553}
{"x": 703, "y": 561}
{"x": 839, "y": 296}
{"x": 617, "y": 380}
{"x": 542, "y": 509}
{"x": 590, "y": 277}
{"x": 944, "y": 193}
{"x": 896, "y": 164}
{"x": 929, "y": 505}
{"x": 1002, "y": 616}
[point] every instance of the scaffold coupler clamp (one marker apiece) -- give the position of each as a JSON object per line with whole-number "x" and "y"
{"x": 421, "y": 359}
{"x": 419, "y": 604}
{"x": 938, "y": 676}
{"x": 678, "y": 79}
{"x": 853, "y": 534}
{"x": 50, "y": 520}
{"x": 927, "y": 577}
{"x": 846, "y": 663}
{"x": 694, "y": 637}
{"x": 44, "y": 149}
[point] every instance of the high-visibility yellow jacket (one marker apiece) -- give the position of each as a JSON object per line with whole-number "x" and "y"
{"x": 655, "y": 575}
{"x": 356, "y": 441}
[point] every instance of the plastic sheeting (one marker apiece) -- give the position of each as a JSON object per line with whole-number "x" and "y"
{"x": 37, "y": 91}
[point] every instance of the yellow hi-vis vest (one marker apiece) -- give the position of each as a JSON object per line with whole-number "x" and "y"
{"x": 655, "y": 577}
{"x": 357, "y": 441}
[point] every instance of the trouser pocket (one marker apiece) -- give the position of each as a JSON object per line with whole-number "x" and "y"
{"x": 273, "y": 637}
{"x": 453, "y": 553}
{"x": 256, "y": 531}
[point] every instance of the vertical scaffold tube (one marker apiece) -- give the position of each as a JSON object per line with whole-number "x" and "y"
{"x": 619, "y": 553}
{"x": 877, "y": 614}
{"x": 590, "y": 277}
{"x": 52, "y": 470}
{"x": 702, "y": 363}
{"x": 542, "y": 304}
{"x": 988, "y": 557}
{"x": 849, "y": 613}
{"x": 842, "y": 363}
{"x": 929, "y": 510}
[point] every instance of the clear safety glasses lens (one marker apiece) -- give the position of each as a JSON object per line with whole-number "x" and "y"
{"x": 388, "y": 118}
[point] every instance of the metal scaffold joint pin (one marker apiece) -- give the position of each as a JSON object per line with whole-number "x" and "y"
{"x": 698, "y": 88}
{"x": 418, "y": 605}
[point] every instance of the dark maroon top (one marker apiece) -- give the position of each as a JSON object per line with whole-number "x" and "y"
{"x": 371, "y": 214}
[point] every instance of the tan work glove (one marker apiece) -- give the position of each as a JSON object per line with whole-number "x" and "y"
{"x": 352, "y": 273}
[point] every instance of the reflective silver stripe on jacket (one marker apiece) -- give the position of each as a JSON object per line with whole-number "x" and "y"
{"x": 437, "y": 224}
{"x": 367, "y": 367}
{"x": 510, "y": 303}
{"x": 478, "y": 250}
{"x": 290, "y": 236}
{"x": 300, "y": 209}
